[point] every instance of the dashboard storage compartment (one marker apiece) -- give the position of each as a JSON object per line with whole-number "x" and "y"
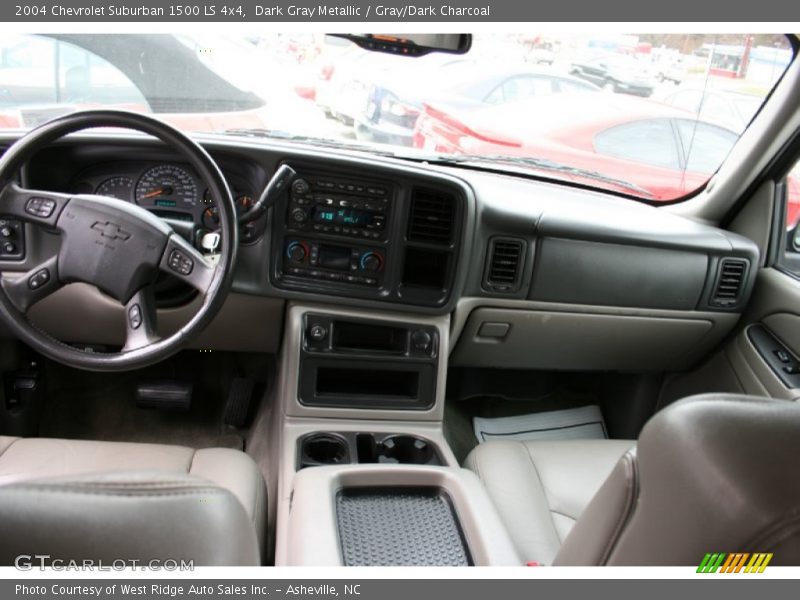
{"x": 538, "y": 339}
{"x": 367, "y": 384}
{"x": 396, "y": 526}
{"x": 359, "y": 363}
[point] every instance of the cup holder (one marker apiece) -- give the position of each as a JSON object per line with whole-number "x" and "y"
{"x": 342, "y": 448}
{"x": 406, "y": 450}
{"x": 324, "y": 449}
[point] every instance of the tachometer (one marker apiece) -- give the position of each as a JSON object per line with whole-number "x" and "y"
{"x": 166, "y": 186}
{"x": 116, "y": 187}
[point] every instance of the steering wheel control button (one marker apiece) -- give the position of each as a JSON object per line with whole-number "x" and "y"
{"x": 40, "y": 207}
{"x": 39, "y": 279}
{"x": 135, "y": 316}
{"x": 180, "y": 263}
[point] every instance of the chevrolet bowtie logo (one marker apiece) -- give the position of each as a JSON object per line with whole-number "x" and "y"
{"x": 111, "y": 231}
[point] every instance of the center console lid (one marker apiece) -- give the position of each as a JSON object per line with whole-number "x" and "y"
{"x": 419, "y": 515}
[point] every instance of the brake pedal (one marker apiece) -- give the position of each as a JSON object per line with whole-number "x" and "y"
{"x": 240, "y": 397}
{"x": 164, "y": 394}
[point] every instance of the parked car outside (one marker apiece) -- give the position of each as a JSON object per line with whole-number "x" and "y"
{"x": 662, "y": 150}
{"x": 615, "y": 73}
{"x": 674, "y": 71}
{"x": 394, "y": 103}
{"x": 730, "y": 109}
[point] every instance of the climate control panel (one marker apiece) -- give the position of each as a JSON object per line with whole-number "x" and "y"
{"x": 311, "y": 259}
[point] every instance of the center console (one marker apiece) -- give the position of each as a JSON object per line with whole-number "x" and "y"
{"x": 366, "y": 476}
{"x": 363, "y": 235}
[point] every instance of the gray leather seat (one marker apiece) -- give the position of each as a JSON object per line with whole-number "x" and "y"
{"x": 111, "y": 500}
{"x": 710, "y": 473}
{"x": 541, "y": 488}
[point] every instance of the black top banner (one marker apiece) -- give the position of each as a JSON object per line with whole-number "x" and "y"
{"x": 398, "y": 11}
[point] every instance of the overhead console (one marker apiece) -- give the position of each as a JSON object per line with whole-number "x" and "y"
{"x": 364, "y": 235}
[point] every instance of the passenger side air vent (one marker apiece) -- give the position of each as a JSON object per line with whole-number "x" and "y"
{"x": 504, "y": 264}
{"x": 730, "y": 281}
{"x": 431, "y": 219}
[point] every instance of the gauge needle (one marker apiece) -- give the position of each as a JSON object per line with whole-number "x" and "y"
{"x": 159, "y": 192}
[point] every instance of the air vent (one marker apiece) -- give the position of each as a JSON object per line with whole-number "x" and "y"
{"x": 431, "y": 219}
{"x": 730, "y": 280}
{"x": 504, "y": 266}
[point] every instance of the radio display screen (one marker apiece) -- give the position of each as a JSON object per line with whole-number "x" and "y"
{"x": 334, "y": 257}
{"x": 342, "y": 216}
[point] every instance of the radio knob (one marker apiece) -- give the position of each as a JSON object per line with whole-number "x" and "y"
{"x": 300, "y": 187}
{"x": 296, "y": 252}
{"x": 371, "y": 262}
{"x": 299, "y": 215}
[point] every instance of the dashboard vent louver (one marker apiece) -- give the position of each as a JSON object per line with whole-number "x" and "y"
{"x": 431, "y": 219}
{"x": 504, "y": 266}
{"x": 730, "y": 280}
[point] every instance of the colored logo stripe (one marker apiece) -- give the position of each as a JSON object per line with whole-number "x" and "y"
{"x": 734, "y": 562}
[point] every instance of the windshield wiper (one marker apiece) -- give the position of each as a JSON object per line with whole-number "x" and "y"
{"x": 277, "y": 134}
{"x": 537, "y": 163}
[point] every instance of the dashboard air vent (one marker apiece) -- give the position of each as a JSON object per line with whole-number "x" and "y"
{"x": 730, "y": 280}
{"x": 504, "y": 267}
{"x": 431, "y": 219}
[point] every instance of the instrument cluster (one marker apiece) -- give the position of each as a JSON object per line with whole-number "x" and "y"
{"x": 169, "y": 190}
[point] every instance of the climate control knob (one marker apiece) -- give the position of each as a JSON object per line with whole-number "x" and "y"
{"x": 296, "y": 252}
{"x": 371, "y": 261}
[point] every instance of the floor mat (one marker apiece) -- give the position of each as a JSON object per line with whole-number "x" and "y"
{"x": 584, "y": 422}
{"x": 102, "y": 406}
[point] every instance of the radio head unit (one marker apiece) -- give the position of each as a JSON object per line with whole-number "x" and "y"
{"x": 341, "y": 208}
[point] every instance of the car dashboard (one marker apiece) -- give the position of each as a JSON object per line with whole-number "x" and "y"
{"x": 531, "y": 273}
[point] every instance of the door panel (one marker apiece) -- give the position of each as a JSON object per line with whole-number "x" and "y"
{"x": 775, "y": 305}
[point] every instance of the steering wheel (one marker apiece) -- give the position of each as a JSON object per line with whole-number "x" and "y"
{"x": 117, "y": 246}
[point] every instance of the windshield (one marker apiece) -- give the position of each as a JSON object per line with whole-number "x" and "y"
{"x": 649, "y": 116}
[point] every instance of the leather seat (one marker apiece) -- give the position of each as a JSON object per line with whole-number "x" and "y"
{"x": 541, "y": 488}
{"x": 111, "y": 500}
{"x": 710, "y": 473}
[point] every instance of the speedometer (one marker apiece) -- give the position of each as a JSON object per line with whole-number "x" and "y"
{"x": 166, "y": 186}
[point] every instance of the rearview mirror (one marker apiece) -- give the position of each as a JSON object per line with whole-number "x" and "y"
{"x": 411, "y": 44}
